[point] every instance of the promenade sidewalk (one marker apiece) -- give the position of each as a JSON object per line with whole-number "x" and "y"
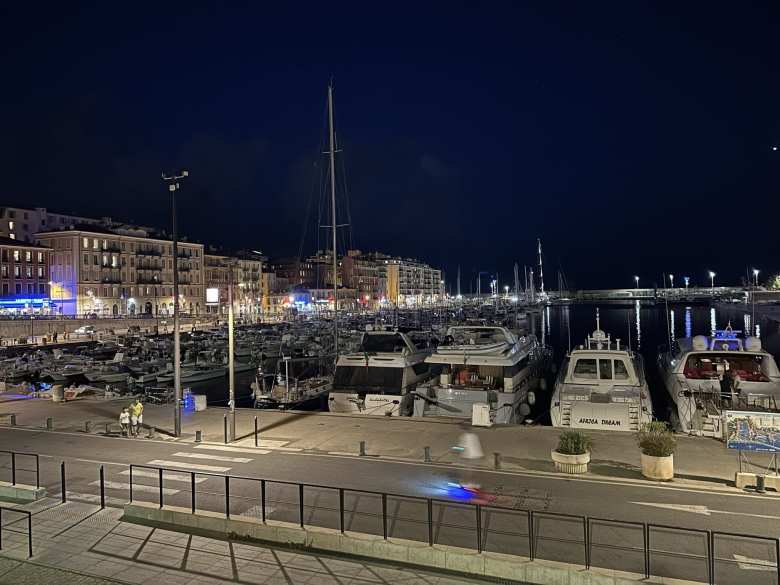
{"x": 700, "y": 461}
{"x": 80, "y": 544}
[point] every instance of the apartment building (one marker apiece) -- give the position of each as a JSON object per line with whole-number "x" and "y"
{"x": 24, "y": 278}
{"x": 121, "y": 271}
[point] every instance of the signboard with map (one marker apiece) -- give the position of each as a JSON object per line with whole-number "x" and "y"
{"x": 752, "y": 431}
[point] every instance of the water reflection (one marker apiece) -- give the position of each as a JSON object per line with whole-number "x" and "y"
{"x": 713, "y": 321}
{"x": 671, "y": 326}
{"x": 638, "y": 319}
{"x": 747, "y": 324}
{"x": 688, "y": 322}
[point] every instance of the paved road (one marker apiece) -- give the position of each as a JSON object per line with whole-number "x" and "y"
{"x": 557, "y": 539}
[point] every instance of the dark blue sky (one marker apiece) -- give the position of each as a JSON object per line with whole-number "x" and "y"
{"x": 631, "y": 137}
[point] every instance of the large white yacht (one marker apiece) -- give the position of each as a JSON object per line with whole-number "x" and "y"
{"x": 601, "y": 385}
{"x": 692, "y": 372}
{"x": 377, "y": 378}
{"x": 481, "y": 365}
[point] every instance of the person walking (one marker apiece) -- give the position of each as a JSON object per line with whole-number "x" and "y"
{"x": 136, "y": 416}
{"x": 124, "y": 421}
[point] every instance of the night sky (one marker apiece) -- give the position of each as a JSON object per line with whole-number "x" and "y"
{"x": 633, "y": 138}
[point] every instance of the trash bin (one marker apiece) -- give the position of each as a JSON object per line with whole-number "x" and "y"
{"x": 57, "y": 393}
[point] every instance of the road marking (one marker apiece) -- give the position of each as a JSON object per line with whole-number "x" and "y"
{"x": 137, "y": 487}
{"x": 264, "y": 443}
{"x": 748, "y": 564}
{"x": 213, "y": 457}
{"x": 233, "y": 449}
{"x": 168, "y": 476}
{"x": 704, "y": 510}
{"x": 179, "y": 464}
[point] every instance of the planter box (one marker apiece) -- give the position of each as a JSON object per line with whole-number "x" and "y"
{"x": 570, "y": 463}
{"x": 658, "y": 468}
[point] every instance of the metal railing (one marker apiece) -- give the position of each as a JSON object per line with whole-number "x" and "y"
{"x": 478, "y": 531}
{"x": 14, "y": 456}
{"x": 29, "y": 527}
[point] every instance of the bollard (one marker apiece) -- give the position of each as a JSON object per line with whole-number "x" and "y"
{"x": 760, "y": 483}
{"x": 64, "y": 492}
{"x": 256, "y": 438}
{"x": 49, "y": 423}
{"x": 362, "y": 448}
{"x": 102, "y": 489}
{"x": 224, "y": 421}
{"x": 88, "y": 426}
{"x": 198, "y": 436}
{"x": 108, "y": 428}
{"x": 13, "y": 420}
{"x": 427, "y": 456}
{"x": 497, "y": 460}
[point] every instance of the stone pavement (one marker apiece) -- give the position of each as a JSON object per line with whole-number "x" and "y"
{"x": 615, "y": 455}
{"x": 80, "y": 544}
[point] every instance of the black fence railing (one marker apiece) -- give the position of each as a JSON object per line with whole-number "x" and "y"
{"x": 19, "y": 470}
{"x": 28, "y": 528}
{"x": 638, "y": 547}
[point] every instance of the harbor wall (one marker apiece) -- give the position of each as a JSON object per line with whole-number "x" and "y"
{"x": 12, "y": 330}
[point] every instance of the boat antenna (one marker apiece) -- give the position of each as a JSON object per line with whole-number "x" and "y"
{"x": 668, "y": 325}
{"x": 541, "y": 270}
{"x": 332, "y": 156}
{"x": 598, "y": 320}
{"x": 568, "y": 326}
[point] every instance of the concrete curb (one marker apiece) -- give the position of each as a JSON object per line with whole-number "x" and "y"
{"x": 20, "y": 492}
{"x": 417, "y": 554}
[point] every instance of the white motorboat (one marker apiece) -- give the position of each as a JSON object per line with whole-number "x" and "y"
{"x": 693, "y": 373}
{"x": 377, "y": 378}
{"x": 484, "y": 369}
{"x": 194, "y": 374}
{"x": 601, "y": 385}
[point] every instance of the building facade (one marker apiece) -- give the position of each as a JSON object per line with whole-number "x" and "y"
{"x": 413, "y": 283}
{"x": 367, "y": 274}
{"x": 122, "y": 271}
{"x": 24, "y": 278}
{"x": 247, "y": 284}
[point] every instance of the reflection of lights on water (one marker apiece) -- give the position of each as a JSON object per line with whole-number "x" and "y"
{"x": 544, "y": 328}
{"x": 671, "y": 326}
{"x": 688, "y": 322}
{"x": 547, "y": 310}
{"x": 713, "y": 322}
{"x": 758, "y": 330}
{"x": 638, "y": 326}
{"x": 747, "y": 324}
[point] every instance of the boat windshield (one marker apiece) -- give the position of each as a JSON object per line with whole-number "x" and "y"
{"x": 373, "y": 378}
{"x": 704, "y": 366}
{"x": 474, "y": 336}
{"x": 383, "y": 344}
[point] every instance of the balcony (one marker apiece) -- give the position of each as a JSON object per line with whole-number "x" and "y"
{"x": 147, "y": 280}
{"x": 148, "y": 252}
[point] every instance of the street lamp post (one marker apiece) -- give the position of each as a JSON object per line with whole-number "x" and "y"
{"x": 712, "y": 280}
{"x": 231, "y": 354}
{"x": 671, "y": 281}
{"x": 687, "y": 280}
{"x": 636, "y": 282}
{"x": 174, "y": 185}
{"x": 755, "y": 276}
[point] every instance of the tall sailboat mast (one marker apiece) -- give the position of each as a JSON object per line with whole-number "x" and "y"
{"x": 332, "y": 155}
{"x": 541, "y": 270}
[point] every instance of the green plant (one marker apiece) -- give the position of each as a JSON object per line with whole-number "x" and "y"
{"x": 574, "y": 443}
{"x": 655, "y": 439}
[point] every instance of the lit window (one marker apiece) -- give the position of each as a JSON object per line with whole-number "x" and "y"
{"x": 28, "y": 256}
{"x": 105, "y": 244}
{"x": 17, "y": 271}
{"x": 41, "y": 271}
{"x": 94, "y": 244}
{"x": 40, "y": 257}
{"x": 85, "y": 243}
{"x": 11, "y": 225}
{"x": 12, "y": 236}
{"x": 17, "y": 256}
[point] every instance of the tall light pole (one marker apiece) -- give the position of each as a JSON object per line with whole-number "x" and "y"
{"x": 712, "y": 280}
{"x": 755, "y": 276}
{"x": 671, "y": 281}
{"x": 636, "y": 281}
{"x": 231, "y": 354}
{"x": 687, "y": 280}
{"x": 174, "y": 185}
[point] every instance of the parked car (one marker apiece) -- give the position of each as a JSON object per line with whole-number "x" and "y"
{"x": 85, "y": 330}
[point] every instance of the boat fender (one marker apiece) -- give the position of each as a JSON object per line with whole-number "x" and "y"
{"x": 532, "y": 398}
{"x": 524, "y": 410}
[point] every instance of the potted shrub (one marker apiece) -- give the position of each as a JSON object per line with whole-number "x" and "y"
{"x": 573, "y": 452}
{"x": 657, "y": 444}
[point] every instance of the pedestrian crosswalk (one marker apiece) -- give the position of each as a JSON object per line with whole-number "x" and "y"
{"x": 205, "y": 458}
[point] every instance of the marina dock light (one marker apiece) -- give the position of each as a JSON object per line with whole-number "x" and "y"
{"x": 712, "y": 279}
{"x": 671, "y": 281}
{"x": 636, "y": 281}
{"x": 755, "y": 275}
{"x": 687, "y": 280}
